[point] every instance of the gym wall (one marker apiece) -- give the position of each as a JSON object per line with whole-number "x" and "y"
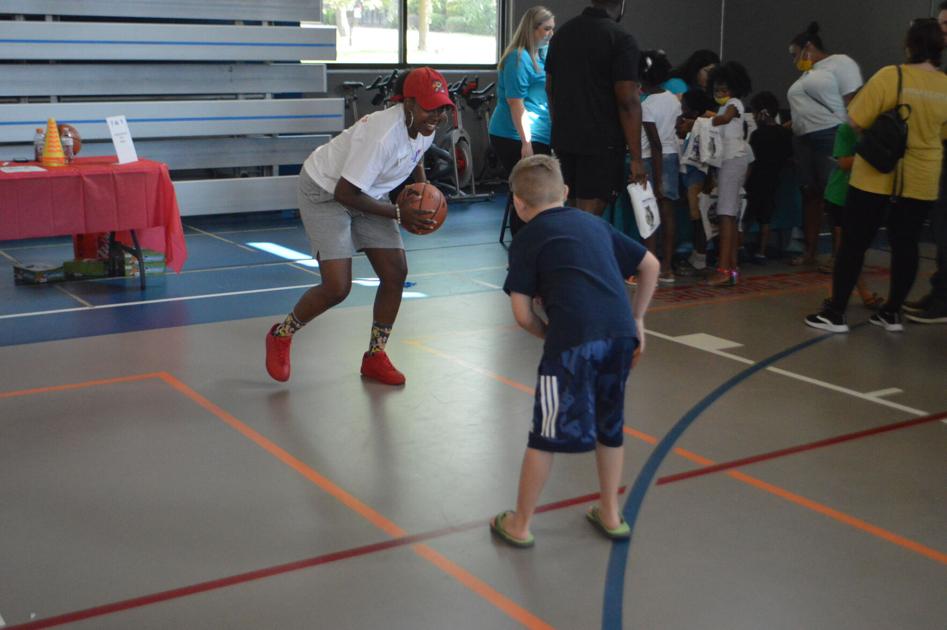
{"x": 872, "y": 32}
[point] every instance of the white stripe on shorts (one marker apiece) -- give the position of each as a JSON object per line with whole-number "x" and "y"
{"x": 549, "y": 402}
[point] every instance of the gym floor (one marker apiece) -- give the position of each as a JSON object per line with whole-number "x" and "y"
{"x": 153, "y": 476}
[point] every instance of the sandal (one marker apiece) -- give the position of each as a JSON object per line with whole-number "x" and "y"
{"x": 496, "y": 526}
{"x": 622, "y": 532}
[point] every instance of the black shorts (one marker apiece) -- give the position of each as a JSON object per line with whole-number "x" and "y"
{"x": 597, "y": 176}
{"x": 761, "y": 187}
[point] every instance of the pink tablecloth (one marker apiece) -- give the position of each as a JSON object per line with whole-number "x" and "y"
{"x": 95, "y": 195}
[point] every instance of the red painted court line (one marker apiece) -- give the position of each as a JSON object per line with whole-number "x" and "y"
{"x": 707, "y": 470}
{"x": 280, "y": 569}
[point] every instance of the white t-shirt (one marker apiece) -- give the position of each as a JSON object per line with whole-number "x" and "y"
{"x": 663, "y": 109}
{"x": 375, "y": 154}
{"x": 845, "y": 71}
{"x": 734, "y": 132}
{"x": 815, "y": 101}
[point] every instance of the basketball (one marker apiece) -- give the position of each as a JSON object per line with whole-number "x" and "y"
{"x": 428, "y": 198}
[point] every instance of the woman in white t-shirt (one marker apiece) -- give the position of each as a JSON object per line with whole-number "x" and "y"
{"x": 344, "y": 206}
{"x": 660, "y": 110}
{"x": 817, "y": 101}
{"x": 731, "y": 83}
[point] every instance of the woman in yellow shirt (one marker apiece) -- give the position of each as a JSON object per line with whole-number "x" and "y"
{"x": 902, "y": 197}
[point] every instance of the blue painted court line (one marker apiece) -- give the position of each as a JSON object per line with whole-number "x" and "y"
{"x": 612, "y": 606}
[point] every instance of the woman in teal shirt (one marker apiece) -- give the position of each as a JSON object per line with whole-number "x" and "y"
{"x": 520, "y": 125}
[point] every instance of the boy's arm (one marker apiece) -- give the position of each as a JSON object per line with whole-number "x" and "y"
{"x": 647, "y": 279}
{"x": 525, "y": 315}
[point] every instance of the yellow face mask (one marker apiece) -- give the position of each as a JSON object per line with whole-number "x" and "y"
{"x": 804, "y": 65}
{"x": 722, "y": 100}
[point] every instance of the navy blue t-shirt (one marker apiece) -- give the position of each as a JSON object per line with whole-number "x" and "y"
{"x": 577, "y": 263}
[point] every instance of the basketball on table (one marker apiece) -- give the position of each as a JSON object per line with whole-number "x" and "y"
{"x": 428, "y": 197}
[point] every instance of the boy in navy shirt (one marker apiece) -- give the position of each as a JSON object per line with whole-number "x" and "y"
{"x": 576, "y": 264}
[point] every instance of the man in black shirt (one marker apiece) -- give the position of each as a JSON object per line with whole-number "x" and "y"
{"x": 592, "y": 82}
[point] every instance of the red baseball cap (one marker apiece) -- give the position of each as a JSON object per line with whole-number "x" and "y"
{"x": 428, "y": 87}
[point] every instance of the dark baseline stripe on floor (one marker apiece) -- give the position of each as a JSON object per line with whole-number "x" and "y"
{"x": 280, "y": 569}
{"x": 746, "y": 461}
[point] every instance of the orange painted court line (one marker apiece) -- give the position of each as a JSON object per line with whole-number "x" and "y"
{"x": 464, "y": 577}
{"x": 470, "y": 366}
{"x": 857, "y": 523}
{"x": 83, "y": 385}
{"x": 809, "y": 504}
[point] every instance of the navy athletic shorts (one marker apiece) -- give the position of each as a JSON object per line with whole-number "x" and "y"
{"x": 580, "y": 397}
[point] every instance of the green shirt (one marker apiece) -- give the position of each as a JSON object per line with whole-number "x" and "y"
{"x": 837, "y": 187}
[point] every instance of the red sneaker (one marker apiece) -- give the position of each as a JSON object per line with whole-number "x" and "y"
{"x": 277, "y": 355}
{"x": 378, "y": 367}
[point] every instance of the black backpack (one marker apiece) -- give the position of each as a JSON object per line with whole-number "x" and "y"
{"x": 883, "y": 144}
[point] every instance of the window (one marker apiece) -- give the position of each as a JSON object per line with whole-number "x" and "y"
{"x": 439, "y": 32}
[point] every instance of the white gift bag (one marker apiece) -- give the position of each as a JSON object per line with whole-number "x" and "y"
{"x": 645, "y": 205}
{"x": 708, "y": 212}
{"x": 709, "y": 142}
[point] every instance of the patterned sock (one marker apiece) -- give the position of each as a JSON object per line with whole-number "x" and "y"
{"x": 380, "y": 334}
{"x": 289, "y": 326}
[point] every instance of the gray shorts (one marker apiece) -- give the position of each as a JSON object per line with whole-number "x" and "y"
{"x": 335, "y": 231}
{"x": 730, "y": 178}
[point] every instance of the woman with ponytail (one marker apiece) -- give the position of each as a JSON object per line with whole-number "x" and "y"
{"x": 520, "y": 125}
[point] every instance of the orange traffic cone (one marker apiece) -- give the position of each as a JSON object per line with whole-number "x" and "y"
{"x": 53, "y": 154}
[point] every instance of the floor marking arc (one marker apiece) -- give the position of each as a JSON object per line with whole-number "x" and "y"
{"x": 703, "y": 461}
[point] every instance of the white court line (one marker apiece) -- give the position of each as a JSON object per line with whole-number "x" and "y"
{"x": 2, "y": 622}
{"x": 215, "y": 295}
{"x": 871, "y": 397}
{"x": 185, "y": 298}
{"x": 881, "y": 393}
{"x": 78, "y": 299}
{"x": 485, "y": 284}
{"x": 221, "y": 238}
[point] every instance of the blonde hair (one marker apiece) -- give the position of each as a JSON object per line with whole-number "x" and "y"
{"x": 523, "y": 37}
{"x": 537, "y": 180}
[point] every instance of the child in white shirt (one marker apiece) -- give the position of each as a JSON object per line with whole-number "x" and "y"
{"x": 731, "y": 83}
{"x": 660, "y": 110}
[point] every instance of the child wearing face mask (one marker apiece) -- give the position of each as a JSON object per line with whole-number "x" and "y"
{"x": 730, "y": 83}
